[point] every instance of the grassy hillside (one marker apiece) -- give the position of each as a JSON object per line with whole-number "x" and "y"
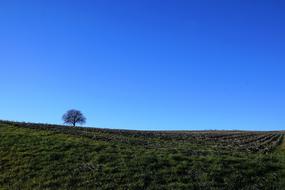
{"x": 55, "y": 157}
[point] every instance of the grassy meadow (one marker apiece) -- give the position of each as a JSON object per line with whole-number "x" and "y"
{"x": 35, "y": 156}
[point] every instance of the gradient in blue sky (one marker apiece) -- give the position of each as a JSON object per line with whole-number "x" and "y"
{"x": 145, "y": 64}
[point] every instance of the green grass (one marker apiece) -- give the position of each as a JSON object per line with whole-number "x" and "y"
{"x": 280, "y": 152}
{"x": 49, "y": 159}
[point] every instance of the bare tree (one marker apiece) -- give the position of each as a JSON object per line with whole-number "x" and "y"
{"x": 73, "y": 117}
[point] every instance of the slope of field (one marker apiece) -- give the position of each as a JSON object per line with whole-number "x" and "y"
{"x": 35, "y": 156}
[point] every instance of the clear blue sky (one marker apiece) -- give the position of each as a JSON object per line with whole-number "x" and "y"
{"x": 145, "y": 64}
